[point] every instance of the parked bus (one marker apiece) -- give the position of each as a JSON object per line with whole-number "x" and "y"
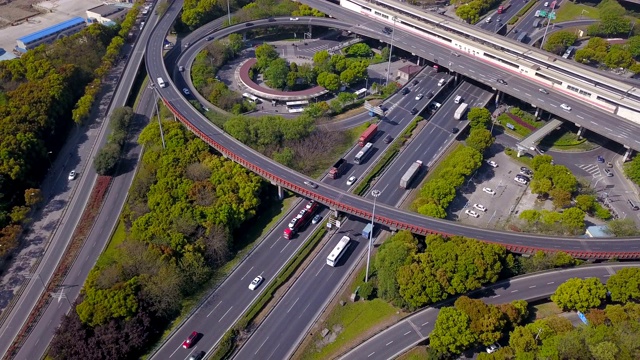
{"x": 338, "y": 251}
{"x": 360, "y": 93}
{"x": 251, "y": 98}
{"x": 296, "y": 106}
{"x": 363, "y": 154}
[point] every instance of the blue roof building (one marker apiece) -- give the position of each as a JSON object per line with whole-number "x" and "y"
{"x": 51, "y": 33}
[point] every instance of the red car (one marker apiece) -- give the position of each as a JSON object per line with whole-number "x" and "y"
{"x": 190, "y": 340}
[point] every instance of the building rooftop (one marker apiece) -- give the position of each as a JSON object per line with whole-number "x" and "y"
{"x": 598, "y": 231}
{"x": 410, "y": 69}
{"x": 106, "y": 10}
{"x": 51, "y": 30}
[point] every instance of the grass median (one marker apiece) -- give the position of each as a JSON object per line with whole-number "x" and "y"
{"x": 228, "y": 343}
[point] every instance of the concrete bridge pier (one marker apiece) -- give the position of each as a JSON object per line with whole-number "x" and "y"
{"x": 537, "y": 114}
{"x": 627, "y": 154}
{"x": 280, "y": 192}
{"x": 581, "y": 131}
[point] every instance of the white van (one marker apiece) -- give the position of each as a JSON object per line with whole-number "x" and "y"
{"x": 161, "y": 83}
{"x": 458, "y": 99}
{"x": 441, "y": 82}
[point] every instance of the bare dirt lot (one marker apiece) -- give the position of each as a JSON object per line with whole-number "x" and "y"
{"x": 12, "y": 11}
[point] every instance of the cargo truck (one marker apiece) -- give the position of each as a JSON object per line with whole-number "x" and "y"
{"x": 462, "y": 109}
{"x": 411, "y": 173}
{"x": 503, "y": 8}
{"x": 368, "y": 134}
{"x": 366, "y": 232}
{"x": 337, "y": 168}
{"x": 300, "y": 221}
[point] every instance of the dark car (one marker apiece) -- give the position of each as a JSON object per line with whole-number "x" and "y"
{"x": 455, "y": 130}
{"x": 500, "y": 81}
{"x": 415, "y": 82}
{"x": 209, "y": 38}
{"x": 600, "y": 159}
{"x": 414, "y": 111}
{"x": 405, "y": 91}
{"x": 271, "y": 19}
{"x": 388, "y": 139}
{"x": 429, "y": 94}
{"x": 248, "y": 24}
{"x": 387, "y": 30}
{"x": 197, "y": 356}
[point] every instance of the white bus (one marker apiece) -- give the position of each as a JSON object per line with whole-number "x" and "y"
{"x": 338, "y": 251}
{"x": 360, "y": 93}
{"x": 161, "y": 82}
{"x": 296, "y": 106}
{"x": 251, "y": 98}
{"x": 362, "y": 154}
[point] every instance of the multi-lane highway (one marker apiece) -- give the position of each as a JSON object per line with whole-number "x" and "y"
{"x": 351, "y": 204}
{"x": 416, "y": 328}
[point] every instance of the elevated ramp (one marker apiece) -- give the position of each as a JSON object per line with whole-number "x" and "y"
{"x": 530, "y": 141}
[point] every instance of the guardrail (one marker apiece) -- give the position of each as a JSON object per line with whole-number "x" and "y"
{"x": 391, "y": 223}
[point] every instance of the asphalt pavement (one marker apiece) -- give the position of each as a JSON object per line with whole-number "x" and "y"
{"x": 414, "y": 329}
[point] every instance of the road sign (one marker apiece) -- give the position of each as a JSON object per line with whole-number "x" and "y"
{"x": 552, "y": 15}
{"x": 374, "y": 109}
{"x": 583, "y": 318}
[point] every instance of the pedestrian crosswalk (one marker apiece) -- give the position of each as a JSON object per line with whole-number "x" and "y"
{"x": 592, "y": 169}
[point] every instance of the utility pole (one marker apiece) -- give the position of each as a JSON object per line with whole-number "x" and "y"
{"x": 375, "y": 194}
{"x": 391, "y": 49}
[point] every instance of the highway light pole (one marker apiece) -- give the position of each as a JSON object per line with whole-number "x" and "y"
{"x": 36, "y": 275}
{"x": 391, "y": 49}
{"x": 229, "y": 12}
{"x": 155, "y": 92}
{"x": 549, "y": 17}
{"x": 375, "y": 194}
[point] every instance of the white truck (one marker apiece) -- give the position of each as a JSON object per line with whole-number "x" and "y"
{"x": 462, "y": 109}
{"x": 410, "y": 174}
{"x": 161, "y": 83}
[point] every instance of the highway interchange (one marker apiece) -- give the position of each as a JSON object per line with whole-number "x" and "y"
{"x": 44, "y": 330}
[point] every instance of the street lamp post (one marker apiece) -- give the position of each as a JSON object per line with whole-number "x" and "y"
{"x": 37, "y": 275}
{"x": 229, "y": 12}
{"x": 375, "y": 194}
{"x": 393, "y": 32}
{"x": 155, "y": 92}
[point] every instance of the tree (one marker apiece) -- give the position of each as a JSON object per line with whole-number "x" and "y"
{"x": 633, "y": 45}
{"x": 451, "y": 333}
{"x": 235, "y": 43}
{"x": 541, "y": 186}
{"x": 531, "y": 216}
{"x": 618, "y": 57}
{"x": 32, "y": 197}
{"x": 632, "y": 170}
{"x": 107, "y": 159}
{"x": 480, "y": 139}
{"x": 622, "y": 227}
{"x": 579, "y": 294}
{"x": 276, "y": 73}
{"x": 366, "y": 290}
{"x": 359, "y": 50}
{"x": 541, "y": 160}
{"x": 624, "y": 285}
{"x": 487, "y": 321}
{"x": 321, "y": 57}
{"x": 393, "y": 254}
{"x": 522, "y": 340}
{"x": 479, "y": 117}
{"x": 561, "y": 198}
{"x": 329, "y": 81}
{"x": 559, "y": 41}
{"x": 346, "y": 97}
{"x": 585, "y": 203}
{"x": 265, "y": 54}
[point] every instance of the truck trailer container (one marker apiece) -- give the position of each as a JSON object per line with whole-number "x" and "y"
{"x": 337, "y": 168}
{"x": 411, "y": 173}
{"x": 503, "y": 8}
{"x": 462, "y": 109}
{"x": 368, "y": 134}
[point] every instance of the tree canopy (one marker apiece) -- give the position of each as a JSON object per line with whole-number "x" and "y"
{"x": 579, "y": 294}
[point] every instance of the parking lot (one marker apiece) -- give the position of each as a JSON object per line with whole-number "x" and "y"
{"x": 499, "y": 206}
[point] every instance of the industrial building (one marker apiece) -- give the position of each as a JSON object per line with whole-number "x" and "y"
{"x": 50, "y": 34}
{"x": 106, "y": 14}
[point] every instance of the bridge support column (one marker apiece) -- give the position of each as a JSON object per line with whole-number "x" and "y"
{"x": 280, "y": 192}
{"x": 581, "y": 131}
{"x": 537, "y": 114}
{"x": 336, "y": 213}
{"x": 627, "y": 154}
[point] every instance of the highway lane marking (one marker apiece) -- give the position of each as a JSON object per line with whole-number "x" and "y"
{"x": 415, "y": 328}
{"x": 371, "y": 354}
{"x": 513, "y": 291}
{"x": 294, "y": 304}
{"x": 407, "y": 333}
{"x": 527, "y": 94}
{"x": 515, "y": 89}
{"x": 424, "y": 324}
{"x": 304, "y": 311}
{"x": 594, "y": 123}
{"x": 578, "y": 116}
{"x": 288, "y": 242}
{"x": 389, "y": 343}
{"x": 265, "y": 340}
{"x": 606, "y": 128}
{"x": 321, "y": 268}
{"x": 531, "y": 287}
{"x": 225, "y": 314}
{"x": 245, "y": 275}
{"x": 214, "y": 309}
{"x": 174, "y": 351}
{"x": 274, "y": 244}
{"x": 495, "y": 296}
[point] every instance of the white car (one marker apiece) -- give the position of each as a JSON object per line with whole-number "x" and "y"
{"x": 521, "y": 180}
{"x": 480, "y": 207}
{"x": 316, "y": 219}
{"x": 419, "y": 96}
{"x": 492, "y": 348}
{"x": 256, "y": 282}
{"x": 441, "y": 82}
{"x": 492, "y": 163}
{"x": 472, "y": 213}
{"x": 72, "y": 175}
{"x": 186, "y": 91}
{"x": 546, "y": 4}
{"x": 489, "y": 191}
{"x": 309, "y": 183}
{"x": 565, "y": 107}
{"x": 301, "y": 213}
{"x": 293, "y": 223}
{"x": 293, "y": 19}
{"x": 310, "y": 204}
{"x": 351, "y": 180}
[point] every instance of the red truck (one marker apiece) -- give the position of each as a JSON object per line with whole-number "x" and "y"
{"x": 368, "y": 134}
{"x": 503, "y": 8}
{"x": 337, "y": 168}
{"x": 301, "y": 220}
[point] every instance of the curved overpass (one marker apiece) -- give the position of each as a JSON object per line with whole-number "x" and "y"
{"x": 338, "y": 199}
